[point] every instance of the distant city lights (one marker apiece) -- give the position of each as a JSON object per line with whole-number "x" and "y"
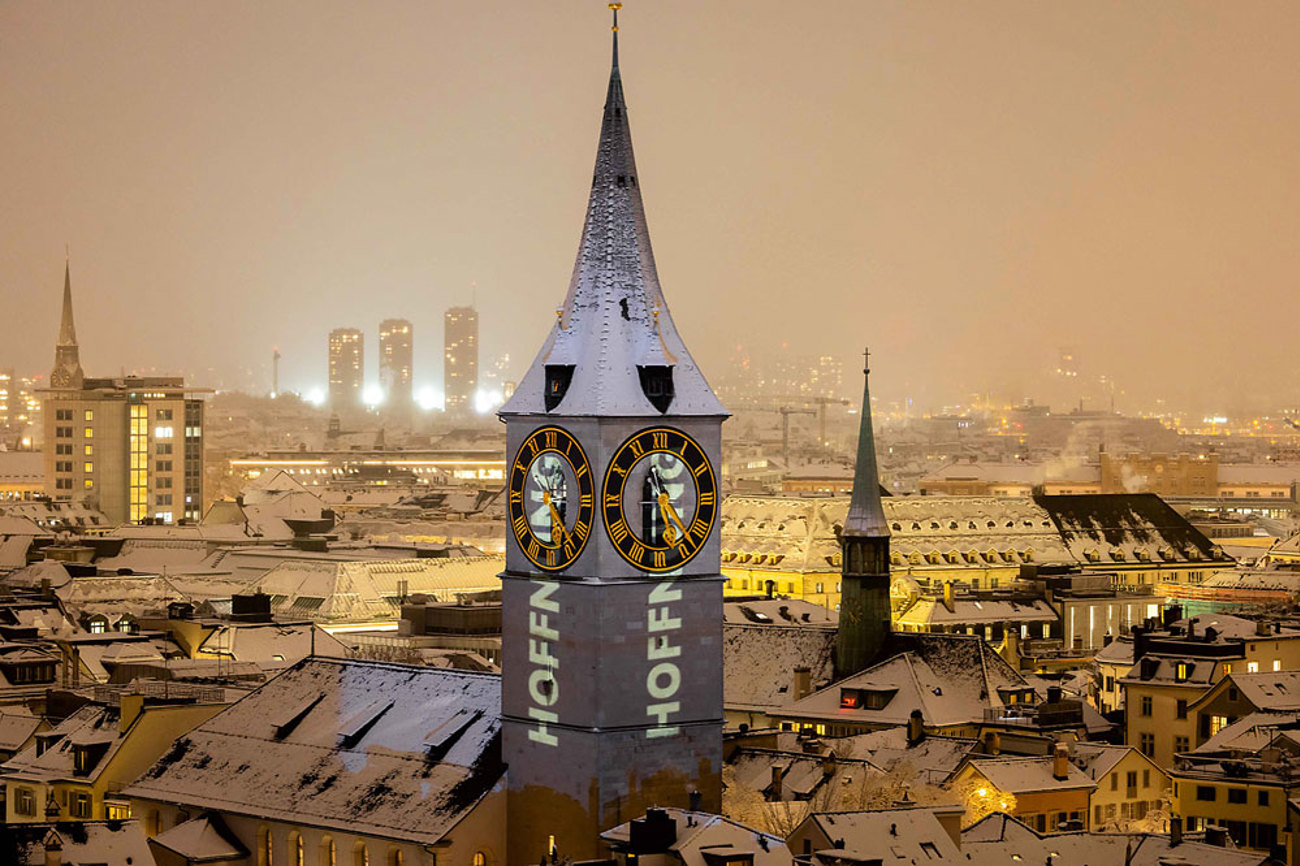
{"x": 372, "y": 395}
{"x": 315, "y": 396}
{"x": 429, "y": 398}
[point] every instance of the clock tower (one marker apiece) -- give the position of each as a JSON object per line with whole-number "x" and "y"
{"x": 612, "y": 656}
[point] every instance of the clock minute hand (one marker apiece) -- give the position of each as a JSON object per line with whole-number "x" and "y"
{"x": 667, "y": 508}
{"x": 557, "y": 522}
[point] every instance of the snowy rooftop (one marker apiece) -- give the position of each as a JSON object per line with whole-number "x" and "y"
{"x": 702, "y": 833}
{"x": 359, "y": 747}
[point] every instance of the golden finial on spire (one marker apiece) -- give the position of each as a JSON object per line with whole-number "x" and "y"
{"x": 615, "y": 7}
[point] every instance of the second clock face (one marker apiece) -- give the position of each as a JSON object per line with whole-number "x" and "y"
{"x": 659, "y": 499}
{"x": 552, "y": 498}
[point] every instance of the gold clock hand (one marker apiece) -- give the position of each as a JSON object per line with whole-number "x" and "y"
{"x": 670, "y": 535}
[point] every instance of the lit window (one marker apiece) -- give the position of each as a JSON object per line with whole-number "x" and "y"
{"x": 162, "y": 432}
{"x": 90, "y": 414}
{"x": 1217, "y": 723}
{"x": 88, "y": 467}
{"x": 89, "y": 432}
{"x": 1277, "y": 664}
{"x": 89, "y": 450}
{"x": 1252, "y": 667}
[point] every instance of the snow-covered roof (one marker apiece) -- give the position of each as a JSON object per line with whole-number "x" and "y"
{"x": 932, "y": 611}
{"x": 614, "y": 318}
{"x": 785, "y": 612}
{"x": 933, "y": 758}
{"x": 911, "y": 835}
{"x": 1024, "y": 775}
{"x": 998, "y": 839}
{"x": 758, "y": 663}
{"x": 94, "y": 843}
{"x": 702, "y": 833}
{"x": 951, "y": 679}
{"x": 201, "y": 840}
{"x": 371, "y": 748}
{"x": 362, "y": 591}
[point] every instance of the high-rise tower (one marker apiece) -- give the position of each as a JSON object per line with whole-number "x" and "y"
{"x": 347, "y": 367}
{"x": 864, "y": 548}
{"x": 67, "y": 355}
{"x": 460, "y": 358}
{"x": 612, "y": 656}
{"x": 396, "y": 361}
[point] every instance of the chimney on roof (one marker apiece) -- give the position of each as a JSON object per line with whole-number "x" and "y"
{"x": 915, "y": 728}
{"x": 1191, "y": 628}
{"x": 1175, "y": 831}
{"x": 1173, "y": 613}
{"x": 774, "y": 789}
{"x": 1053, "y": 694}
{"x": 1061, "y": 762}
{"x": 947, "y": 595}
{"x": 1262, "y": 628}
{"x": 802, "y": 683}
{"x": 992, "y": 743}
{"x": 129, "y": 710}
{"x": 1141, "y": 642}
{"x": 828, "y": 764}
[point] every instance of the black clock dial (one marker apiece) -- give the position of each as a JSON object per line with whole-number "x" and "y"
{"x": 659, "y": 499}
{"x": 552, "y": 498}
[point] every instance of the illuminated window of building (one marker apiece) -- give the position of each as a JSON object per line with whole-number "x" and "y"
{"x": 89, "y": 450}
{"x": 480, "y": 859}
{"x": 89, "y": 432}
{"x": 1252, "y": 667}
{"x": 1277, "y": 664}
{"x": 88, "y": 467}
{"x": 329, "y": 852}
{"x": 265, "y": 852}
{"x": 90, "y": 415}
{"x": 1180, "y": 673}
{"x": 395, "y": 858}
{"x": 296, "y": 856}
{"x": 117, "y": 812}
{"x": 89, "y": 483}
{"x": 138, "y": 462}
{"x": 360, "y": 854}
{"x": 162, "y": 432}
{"x": 1217, "y": 723}
{"x": 1227, "y": 668}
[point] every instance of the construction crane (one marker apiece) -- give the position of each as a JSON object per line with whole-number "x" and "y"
{"x": 822, "y": 403}
{"x": 786, "y": 412}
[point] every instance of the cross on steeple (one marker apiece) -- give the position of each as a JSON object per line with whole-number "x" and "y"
{"x": 866, "y": 360}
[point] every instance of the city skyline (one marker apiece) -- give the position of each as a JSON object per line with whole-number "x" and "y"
{"x": 1102, "y": 184}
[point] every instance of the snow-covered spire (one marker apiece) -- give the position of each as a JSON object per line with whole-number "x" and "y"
{"x": 67, "y": 356}
{"x": 613, "y": 348}
{"x": 866, "y": 514}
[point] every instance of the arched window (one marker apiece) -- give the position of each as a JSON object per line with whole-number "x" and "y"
{"x": 360, "y": 856}
{"x": 329, "y": 852}
{"x": 395, "y": 857}
{"x": 265, "y": 854}
{"x": 480, "y": 859}
{"x": 296, "y": 854}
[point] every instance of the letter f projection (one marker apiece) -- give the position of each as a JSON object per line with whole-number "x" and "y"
{"x": 543, "y": 637}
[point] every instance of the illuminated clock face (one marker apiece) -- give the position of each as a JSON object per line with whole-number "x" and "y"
{"x": 552, "y": 498}
{"x": 659, "y": 499}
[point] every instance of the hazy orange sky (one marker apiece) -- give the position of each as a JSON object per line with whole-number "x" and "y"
{"x": 966, "y": 187}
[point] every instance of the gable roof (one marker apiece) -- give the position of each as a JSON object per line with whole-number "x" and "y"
{"x": 1023, "y": 775}
{"x": 394, "y": 751}
{"x": 951, "y": 679}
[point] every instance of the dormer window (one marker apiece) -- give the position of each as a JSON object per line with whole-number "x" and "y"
{"x": 558, "y": 377}
{"x": 657, "y": 385}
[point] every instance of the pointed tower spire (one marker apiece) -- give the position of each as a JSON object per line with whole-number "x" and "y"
{"x": 608, "y": 351}
{"x": 864, "y": 558}
{"x": 67, "y": 356}
{"x": 866, "y": 514}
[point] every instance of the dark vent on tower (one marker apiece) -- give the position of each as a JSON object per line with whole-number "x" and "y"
{"x": 558, "y": 377}
{"x": 657, "y": 385}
